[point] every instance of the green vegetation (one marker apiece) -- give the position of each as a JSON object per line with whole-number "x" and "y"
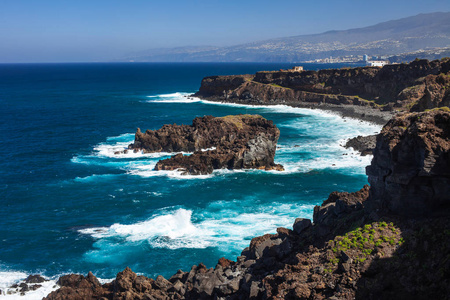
{"x": 442, "y": 108}
{"x": 365, "y": 241}
{"x": 279, "y": 86}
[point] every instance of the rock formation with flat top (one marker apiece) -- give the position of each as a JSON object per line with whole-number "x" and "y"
{"x": 231, "y": 142}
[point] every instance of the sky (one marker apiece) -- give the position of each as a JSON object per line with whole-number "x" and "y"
{"x": 103, "y": 30}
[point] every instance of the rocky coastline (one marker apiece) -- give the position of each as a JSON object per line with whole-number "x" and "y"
{"x": 389, "y": 240}
{"x": 368, "y": 93}
{"x": 371, "y": 244}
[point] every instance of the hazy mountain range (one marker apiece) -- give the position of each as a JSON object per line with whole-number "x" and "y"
{"x": 423, "y": 31}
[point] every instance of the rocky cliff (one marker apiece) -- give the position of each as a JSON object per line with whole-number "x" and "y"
{"x": 410, "y": 171}
{"x": 232, "y": 142}
{"x": 419, "y": 85}
{"x": 387, "y": 241}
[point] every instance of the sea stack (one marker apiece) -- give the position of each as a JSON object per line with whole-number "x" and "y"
{"x": 231, "y": 142}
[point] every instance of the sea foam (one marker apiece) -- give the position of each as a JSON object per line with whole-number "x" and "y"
{"x": 217, "y": 226}
{"x": 8, "y": 278}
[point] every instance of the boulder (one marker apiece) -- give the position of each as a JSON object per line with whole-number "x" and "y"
{"x": 301, "y": 224}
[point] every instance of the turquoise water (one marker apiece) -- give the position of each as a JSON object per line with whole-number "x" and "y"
{"x": 70, "y": 205}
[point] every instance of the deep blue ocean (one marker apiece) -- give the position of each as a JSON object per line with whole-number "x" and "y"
{"x": 68, "y": 204}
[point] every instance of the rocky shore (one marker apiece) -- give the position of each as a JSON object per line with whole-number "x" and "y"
{"x": 368, "y": 93}
{"x": 231, "y": 142}
{"x": 389, "y": 240}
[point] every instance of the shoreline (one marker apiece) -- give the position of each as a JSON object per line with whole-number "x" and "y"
{"x": 358, "y": 112}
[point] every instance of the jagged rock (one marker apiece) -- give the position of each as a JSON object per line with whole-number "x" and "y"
{"x": 124, "y": 280}
{"x": 234, "y": 142}
{"x": 35, "y": 279}
{"x": 363, "y": 144}
{"x": 225, "y": 263}
{"x": 74, "y": 287}
{"x": 180, "y": 275}
{"x": 162, "y": 283}
{"x": 301, "y": 224}
{"x": 410, "y": 172}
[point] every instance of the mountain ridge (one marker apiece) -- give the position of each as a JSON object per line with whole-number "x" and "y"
{"x": 423, "y": 31}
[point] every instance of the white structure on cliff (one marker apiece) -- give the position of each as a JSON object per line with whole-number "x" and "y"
{"x": 377, "y": 63}
{"x": 297, "y": 69}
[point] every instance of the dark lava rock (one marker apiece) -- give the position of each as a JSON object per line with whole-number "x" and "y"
{"x": 301, "y": 224}
{"x": 410, "y": 171}
{"x": 231, "y": 142}
{"x": 35, "y": 279}
{"x": 363, "y": 144}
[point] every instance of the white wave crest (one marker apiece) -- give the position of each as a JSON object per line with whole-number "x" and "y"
{"x": 174, "y": 230}
{"x": 8, "y": 278}
{"x": 226, "y": 228}
{"x": 173, "y": 98}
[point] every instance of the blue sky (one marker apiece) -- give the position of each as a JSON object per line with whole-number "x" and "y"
{"x": 99, "y": 30}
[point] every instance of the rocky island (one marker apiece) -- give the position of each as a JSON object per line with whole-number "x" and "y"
{"x": 231, "y": 142}
{"x": 389, "y": 240}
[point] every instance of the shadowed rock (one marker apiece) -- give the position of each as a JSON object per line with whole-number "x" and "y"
{"x": 410, "y": 171}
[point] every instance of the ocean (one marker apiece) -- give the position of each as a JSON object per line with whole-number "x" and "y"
{"x": 70, "y": 205}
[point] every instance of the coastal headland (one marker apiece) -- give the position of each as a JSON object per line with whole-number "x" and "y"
{"x": 388, "y": 240}
{"x": 369, "y": 93}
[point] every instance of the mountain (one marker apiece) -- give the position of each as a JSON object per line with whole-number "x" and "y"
{"x": 410, "y": 34}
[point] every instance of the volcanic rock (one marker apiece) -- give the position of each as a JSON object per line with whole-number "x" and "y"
{"x": 410, "y": 171}
{"x": 362, "y": 144}
{"x": 231, "y": 142}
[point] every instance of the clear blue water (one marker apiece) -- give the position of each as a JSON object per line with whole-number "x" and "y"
{"x": 68, "y": 204}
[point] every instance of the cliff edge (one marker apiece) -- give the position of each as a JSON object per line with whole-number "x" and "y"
{"x": 371, "y": 93}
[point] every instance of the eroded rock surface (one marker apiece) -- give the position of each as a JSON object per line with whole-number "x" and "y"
{"x": 416, "y": 86}
{"x": 410, "y": 171}
{"x": 231, "y": 142}
{"x": 362, "y": 144}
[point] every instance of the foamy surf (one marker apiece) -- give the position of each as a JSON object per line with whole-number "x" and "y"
{"x": 173, "y": 98}
{"x": 10, "y": 278}
{"x": 225, "y": 229}
{"x": 173, "y": 230}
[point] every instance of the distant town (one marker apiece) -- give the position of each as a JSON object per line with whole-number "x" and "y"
{"x": 379, "y": 61}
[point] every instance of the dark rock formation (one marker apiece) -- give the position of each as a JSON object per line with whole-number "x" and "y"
{"x": 422, "y": 84}
{"x": 237, "y": 142}
{"x": 363, "y": 144}
{"x": 410, "y": 171}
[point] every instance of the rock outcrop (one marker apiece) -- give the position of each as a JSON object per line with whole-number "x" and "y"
{"x": 363, "y": 144}
{"x": 231, "y": 142}
{"x": 410, "y": 171}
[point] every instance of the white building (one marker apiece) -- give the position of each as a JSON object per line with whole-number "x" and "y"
{"x": 377, "y": 63}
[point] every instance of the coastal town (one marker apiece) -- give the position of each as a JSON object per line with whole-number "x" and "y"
{"x": 381, "y": 60}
